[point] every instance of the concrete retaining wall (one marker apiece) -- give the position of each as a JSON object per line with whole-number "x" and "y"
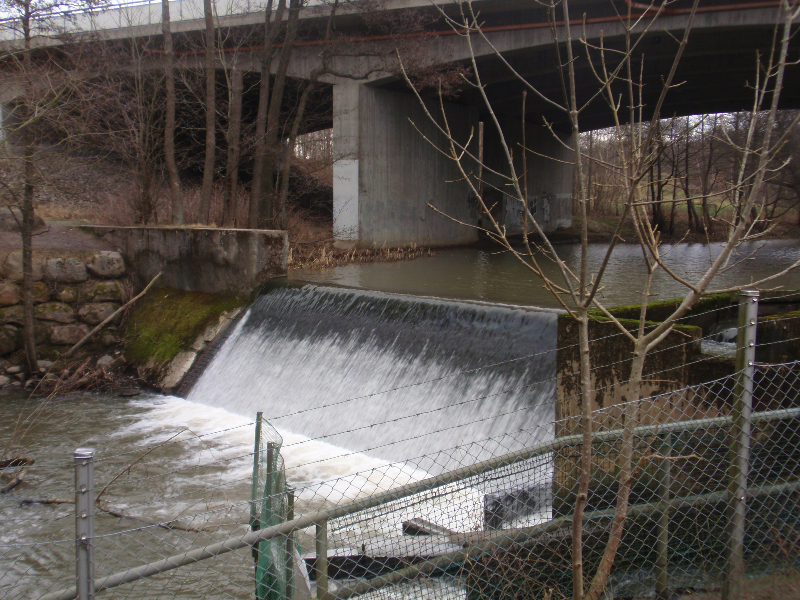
{"x": 202, "y": 259}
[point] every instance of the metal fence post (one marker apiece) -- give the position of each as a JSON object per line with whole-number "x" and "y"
{"x": 84, "y": 523}
{"x": 321, "y": 564}
{"x": 741, "y": 410}
{"x": 255, "y": 499}
{"x": 255, "y": 514}
{"x": 662, "y": 545}
{"x": 289, "y": 545}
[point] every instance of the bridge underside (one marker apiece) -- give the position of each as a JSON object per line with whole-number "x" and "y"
{"x": 389, "y": 162}
{"x": 395, "y": 182}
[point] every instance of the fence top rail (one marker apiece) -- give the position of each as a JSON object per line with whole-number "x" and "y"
{"x": 410, "y": 489}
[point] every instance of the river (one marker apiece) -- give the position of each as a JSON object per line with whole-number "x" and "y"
{"x": 470, "y": 274}
{"x": 199, "y": 457}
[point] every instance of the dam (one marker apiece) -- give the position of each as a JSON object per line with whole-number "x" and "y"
{"x": 393, "y": 376}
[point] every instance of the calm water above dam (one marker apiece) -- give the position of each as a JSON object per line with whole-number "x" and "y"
{"x": 468, "y": 273}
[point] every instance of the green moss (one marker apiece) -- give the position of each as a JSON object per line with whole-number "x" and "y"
{"x": 658, "y": 311}
{"x": 779, "y": 317}
{"x": 167, "y": 321}
{"x": 633, "y": 324}
{"x": 101, "y": 291}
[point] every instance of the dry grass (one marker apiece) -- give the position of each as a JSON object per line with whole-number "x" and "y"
{"x": 324, "y": 255}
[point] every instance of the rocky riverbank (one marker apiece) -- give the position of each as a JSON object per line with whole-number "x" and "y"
{"x": 71, "y": 296}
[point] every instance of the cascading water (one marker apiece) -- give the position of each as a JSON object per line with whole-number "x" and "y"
{"x": 721, "y": 339}
{"x": 394, "y": 377}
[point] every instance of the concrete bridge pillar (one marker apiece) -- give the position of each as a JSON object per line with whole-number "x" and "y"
{"x": 550, "y": 174}
{"x": 385, "y": 171}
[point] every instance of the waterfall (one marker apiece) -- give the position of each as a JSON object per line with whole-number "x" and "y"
{"x": 391, "y": 376}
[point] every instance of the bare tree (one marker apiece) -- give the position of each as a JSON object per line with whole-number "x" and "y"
{"x": 211, "y": 111}
{"x": 117, "y": 116}
{"x": 169, "y": 121}
{"x": 40, "y": 87}
{"x": 635, "y": 137}
{"x": 261, "y": 186}
{"x": 233, "y": 137}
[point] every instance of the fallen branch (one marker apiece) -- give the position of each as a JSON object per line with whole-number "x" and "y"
{"x": 77, "y": 374}
{"x": 15, "y": 481}
{"x": 134, "y": 463}
{"x": 111, "y": 317}
{"x": 30, "y": 501}
{"x": 90, "y": 378}
{"x": 17, "y": 461}
{"x": 169, "y": 525}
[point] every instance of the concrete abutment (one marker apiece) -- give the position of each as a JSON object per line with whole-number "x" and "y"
{"x": 391, "y": 162}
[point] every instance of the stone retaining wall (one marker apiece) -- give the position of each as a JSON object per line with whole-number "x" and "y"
{"x": 70, "y": 297}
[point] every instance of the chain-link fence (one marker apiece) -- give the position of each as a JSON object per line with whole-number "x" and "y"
{"x": 669, "y": 475}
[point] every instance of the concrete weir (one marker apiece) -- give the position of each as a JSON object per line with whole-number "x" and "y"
{"x": 201, "y": 259}
{"x": 207, "y": 276}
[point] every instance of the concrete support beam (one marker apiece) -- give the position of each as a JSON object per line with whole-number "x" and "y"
{"x": 385, "y": 171}
{"x": 550, "y": 174}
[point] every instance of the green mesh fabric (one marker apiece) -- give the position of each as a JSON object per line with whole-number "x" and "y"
{"x": 269, "y": 507}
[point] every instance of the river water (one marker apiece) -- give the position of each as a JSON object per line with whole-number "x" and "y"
{"x": 200, "y": 450}
{"x": 467, "y": 273}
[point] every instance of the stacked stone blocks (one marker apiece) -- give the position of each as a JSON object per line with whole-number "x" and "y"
{"x": 70, "y": 297}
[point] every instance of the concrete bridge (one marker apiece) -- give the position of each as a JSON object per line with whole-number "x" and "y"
{"x": 385, "y": 171}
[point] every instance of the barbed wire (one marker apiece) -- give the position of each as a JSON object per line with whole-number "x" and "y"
{"x": 518, "y": 410}
{"x": 417, "y": 459}
{"x": 272, "y": 418}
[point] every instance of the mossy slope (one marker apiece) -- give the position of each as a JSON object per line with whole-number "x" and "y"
{"x": 167, "y": 321}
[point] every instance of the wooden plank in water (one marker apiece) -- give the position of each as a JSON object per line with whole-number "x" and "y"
{"x": 420, "y": 526}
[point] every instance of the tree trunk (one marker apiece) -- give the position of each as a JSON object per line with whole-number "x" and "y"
{"x": 625, "y": 480}
{"x": 27, "y": 213}
{"x": 274, "y": 112}
{"x": 234, "y": 148}
{"x": 260, "y": 205}
{"x": 145, "y": 191}
{"x": 261, "y": 194}
{"x": 586, "y": 455}
{"x": 211, "y": 108}
{"x": 674, "y": 205}
{"x": 694, "y": 222}
{"x": 169, "y": 124}
{"x": 656, "y": 206}
{"x": 27, "y": 259}
{"x": 707, "y": 223}
{"x": 289, "y": 151}
{"x": 589, "y": 179}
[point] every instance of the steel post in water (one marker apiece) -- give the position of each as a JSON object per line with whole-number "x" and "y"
{"x": 255, "y": 512}
{"x": 742, "y": 408}
{"x": 270, "y": 486}
{"x": 84, "y": 523}
{"x": 255, "y": 523}
{"x": 321, "y": 564}
{"x": 662, "y": 545}
{"x": 289, "y": 545}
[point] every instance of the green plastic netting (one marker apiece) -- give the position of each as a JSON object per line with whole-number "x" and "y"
{"x": 270, "y": 506}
